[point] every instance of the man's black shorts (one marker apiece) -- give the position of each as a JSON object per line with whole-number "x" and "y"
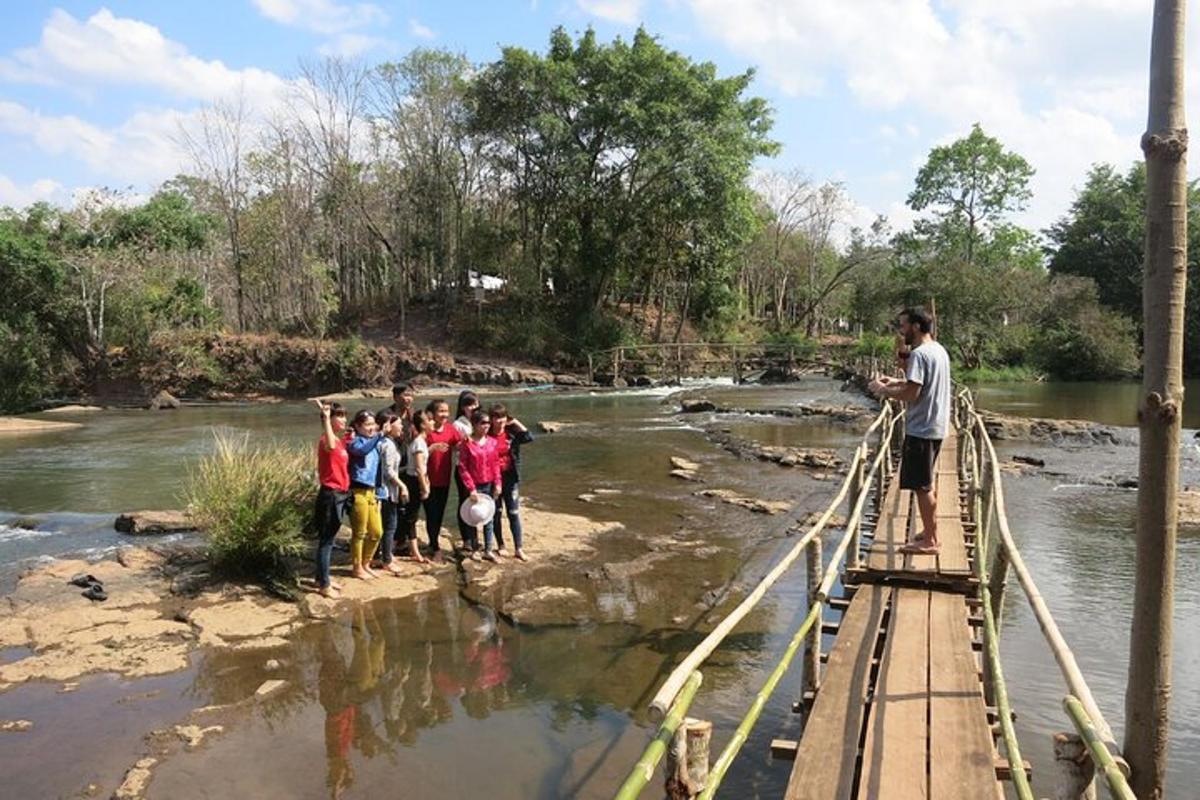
{"x": 919, "y": 463}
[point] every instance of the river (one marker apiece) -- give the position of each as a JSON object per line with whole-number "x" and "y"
{"x": 465, "y": 705}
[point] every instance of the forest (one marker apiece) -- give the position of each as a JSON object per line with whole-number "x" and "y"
{"x": 611, "y": 192}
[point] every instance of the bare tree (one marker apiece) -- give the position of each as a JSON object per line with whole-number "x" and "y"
{"x": 1160, "y": 413}
{"x": 217, "y": 147}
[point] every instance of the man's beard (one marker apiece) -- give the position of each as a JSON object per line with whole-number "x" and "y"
{"x": 910, "y": 338}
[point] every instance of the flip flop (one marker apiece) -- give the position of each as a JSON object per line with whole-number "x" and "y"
{"x": 83, "y": 580}
{"x": 95, "y": 592}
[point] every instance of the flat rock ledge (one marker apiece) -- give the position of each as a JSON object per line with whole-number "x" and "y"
{"x": 754, "y": 504}
{"x": 847, "y": 413}
{"x": 141, "y": 523}
{"x": 810, "y": 458}
{"x": 1037, "y": 429}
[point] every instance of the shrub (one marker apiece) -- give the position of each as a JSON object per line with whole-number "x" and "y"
{"x": 874, "y": 345}
{"x": 805, "y": 347}
{"x": 1079, "y": 339}
{"x": 253, "y": 503}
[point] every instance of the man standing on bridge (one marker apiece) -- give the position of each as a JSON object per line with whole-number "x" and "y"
{"x": 925, "y": 389}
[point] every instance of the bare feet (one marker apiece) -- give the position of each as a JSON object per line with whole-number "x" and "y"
{"x": 362, "y": 573}
{"x": 437, "y": 557}
{"x": 394, "y": 569}
{"x": 336, "y": 586}
{"x": 921, "y": 547}
{"x": 520, "y": 555}
{"x": 328, "y": 591}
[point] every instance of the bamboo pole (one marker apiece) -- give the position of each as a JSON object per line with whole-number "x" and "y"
{"x": 687, "y": 759}
{"x": 1011, "y": 747}
{"x": 812, "y": 648}
{"x": 854, "y": 559}
{"x": 643, "y": 770}
{"x": 723, "y": 762}
{"x": 1114, "y": 775}
{"x": 1054, "y": 638}
{"x": 1075, "y": 772}
{"x": 700, "y": 652}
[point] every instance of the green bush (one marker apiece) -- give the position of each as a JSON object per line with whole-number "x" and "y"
{"x": 253, "y": 503}
{"x": 805, "y": 347}
{"x": 343, "y": 368}
{"x": 1079, "y": 339}
{"x": 874, "y": 345}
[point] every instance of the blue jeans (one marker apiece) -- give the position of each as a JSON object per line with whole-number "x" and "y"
{"x": 391, "y": 521}
{"x": 489, "y": 529}
{"x": 510, "y": 500}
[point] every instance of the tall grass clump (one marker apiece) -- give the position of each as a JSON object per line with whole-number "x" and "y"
{"x": 253, "y": 502}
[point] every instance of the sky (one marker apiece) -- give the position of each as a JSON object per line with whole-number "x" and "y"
{"x": 95, "y": 95}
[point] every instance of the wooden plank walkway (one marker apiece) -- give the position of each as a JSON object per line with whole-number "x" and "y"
{"x": 900, "y": 713}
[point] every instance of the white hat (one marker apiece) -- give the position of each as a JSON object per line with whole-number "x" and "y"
{"x": 477, "y": 512}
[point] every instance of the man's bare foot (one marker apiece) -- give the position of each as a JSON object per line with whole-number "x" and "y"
{"x": 921, "y": 548}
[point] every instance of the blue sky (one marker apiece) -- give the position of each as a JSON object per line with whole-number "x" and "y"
{"x": 94, "y": 94}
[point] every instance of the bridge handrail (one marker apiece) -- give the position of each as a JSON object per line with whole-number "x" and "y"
{"x": 816, "y": 604}
{"x": 678, "y": 689}
{"x": 674, "y": 682}
{"x": 1008, "y": 555}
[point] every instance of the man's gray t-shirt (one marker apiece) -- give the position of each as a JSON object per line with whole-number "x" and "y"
{"x": 928, "y": 416}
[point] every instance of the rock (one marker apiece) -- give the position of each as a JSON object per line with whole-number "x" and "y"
{"x": 141, "y": 523}
{"x": 586, "y": 497}
{"x": 269, "y": 688}
{"x": 607, "y": 491}
{"x": 566, "y": 379}
{"x": 1036, "y": 429}
{"x": 546, "y": 605}
{"x": 546, "y": 426}
{"x": 15, "y": 725}
{"x": 684, "y": 464}
{"x": 698, "y": 406}
{"x": 272, "y": 665}
{"x": 1189, "y": 507}
{"x": 749, "y": 503}
{"x": 73, "y": 408}
{"x": 163, "y": 401}
{"x": 24, "y": 425}
{"x": 619, "y": 383}
{"x": 1029, "y": 460}
{"x": 810, "y": 519}
{"x": 644, "y": 381}
{"x": 193, "y": 735}
{"x": 686, "y": 475}
{"x": 242, "y": 620}
{"x": 537, "y": 377}
{"x": 24, "y": 523}
{"x": 136, "y": 780}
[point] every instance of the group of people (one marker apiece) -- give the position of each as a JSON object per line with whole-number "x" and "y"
{"x": 383, "y": 468}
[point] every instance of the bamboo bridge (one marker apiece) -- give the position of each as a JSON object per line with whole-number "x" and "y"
{"x": 910, "y": 701}
{"x": 679, "y": 360}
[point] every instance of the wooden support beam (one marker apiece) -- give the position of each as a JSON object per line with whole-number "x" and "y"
{"x": 1004, "y": 769}
{"x": 784, "y": 749}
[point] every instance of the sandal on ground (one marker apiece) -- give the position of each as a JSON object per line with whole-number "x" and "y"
{"x": 84, "y": 580}
{"x": 95, "y": 592}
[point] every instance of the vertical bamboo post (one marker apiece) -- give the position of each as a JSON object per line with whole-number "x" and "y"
{"x": 996, "y": 581}
{"x": 616, "y": 363}
{"x": 737, "y": 366}
{"x": 812, "y": 646}
{"x": 1074, "y": 770}
{"x": 591, "y": 369}
{"x": 857, "y": 487}
{"x": 679, "y": 363}
{"x": 687, "y": 759}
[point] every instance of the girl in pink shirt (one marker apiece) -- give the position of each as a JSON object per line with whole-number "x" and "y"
{"x": 479, "y": 471}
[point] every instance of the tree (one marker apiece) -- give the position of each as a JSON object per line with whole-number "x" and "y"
{"x": 1160, "y": 412}
{"x": 1102, "y": 237}
{"x": 970, "y": 185}
{"x": 617, "y": 151}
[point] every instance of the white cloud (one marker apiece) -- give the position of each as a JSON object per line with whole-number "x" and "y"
{"x": 322, "y": 16}
{"x": 106, "y": 49}
{"x": 1060, "y": 81}
{"x": 420, "y": 31}
{"x": 625, "y": 12}
{"x": 350, "y": 45}
{"x": 19, "y": 196}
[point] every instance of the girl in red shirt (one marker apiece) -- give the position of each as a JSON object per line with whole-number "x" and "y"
{"x": 443, "y": 440}
{"x": 479, "y": 471}
{"x": 333, "y": 498}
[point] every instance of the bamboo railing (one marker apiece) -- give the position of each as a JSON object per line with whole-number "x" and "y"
{"x": 674, "y": 697}
{"x": 996, "y": 553}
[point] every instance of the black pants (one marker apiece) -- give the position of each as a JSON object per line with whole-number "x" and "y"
{"x": 410, "y": 512}
{"x": 435, "y": 512}
{"x": 468, "y": 534}
{"x": 331, "y": 509}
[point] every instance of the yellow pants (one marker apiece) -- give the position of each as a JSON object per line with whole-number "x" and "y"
{"x": 366, "y": 525}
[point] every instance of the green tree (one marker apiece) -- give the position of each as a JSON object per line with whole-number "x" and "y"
{"x": 1102, "y": 237}
{"x": 619, "y": 151}
{"x": 970, "y": 186}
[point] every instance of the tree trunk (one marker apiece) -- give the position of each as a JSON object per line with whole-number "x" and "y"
{"x": 1160, "y": 413}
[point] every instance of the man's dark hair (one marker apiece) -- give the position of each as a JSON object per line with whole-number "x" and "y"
{"x": 402, "y": 388}
{"x": 918, "y": 316}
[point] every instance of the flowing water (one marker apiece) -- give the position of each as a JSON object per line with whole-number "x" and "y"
{"x": 438, "y": 697}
